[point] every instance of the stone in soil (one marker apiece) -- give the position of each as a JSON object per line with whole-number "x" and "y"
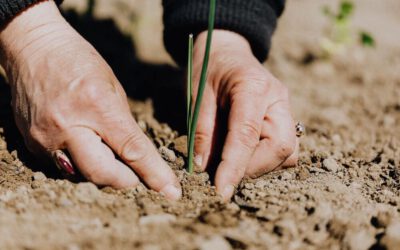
{"x": 391, "y": 239}
{"x": 167, "y": 154}
{"x": 86, "y": 192}
{"x": 157, "y": 219}
{"x": 180, "y": 145}
{"x": 215, "y": 242}
{"x": 330, "y": 165}
{"x": 39, "y": 176}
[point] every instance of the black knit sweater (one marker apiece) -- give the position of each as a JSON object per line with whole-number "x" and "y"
{"x": 254, "y": 19}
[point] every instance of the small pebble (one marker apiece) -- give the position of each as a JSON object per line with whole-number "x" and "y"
{"x": 64, "y": 202}
{"x": 215, "y": 242}
{"x": 3, "y": 145}
{"x": 14, "y": 154}
{"x": 39, "y": 176}
{"x": 233, "y": 207}
{"x": 142, "y": 125}
{"x": 391, "y": 239}
{"x": 337, "y": 140}
{"x": 180, "y": 145}
{"x": 73, "y": 247}
{"x": 249, "y": 186}
{"x": 87, "y": 192}
{"x": 383, "y": 219}
{"x": 167, "y": 154}
{"x": 261, "y": 184}
{"x": 22, "y": 190}
{"x": 286, "y": 176}
{"x": 359, "y": 240}
{"x": 157, "y": 219}
{"x": 286, "y": 227}
{"x": 330, "y": 165}
{"x": 36, "y": 184}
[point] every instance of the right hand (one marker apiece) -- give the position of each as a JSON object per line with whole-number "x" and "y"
{"x": 65, "y": 96}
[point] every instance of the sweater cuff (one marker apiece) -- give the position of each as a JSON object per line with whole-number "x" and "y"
{"x": 254, "y": 19}
{"x": 11, "y": 8}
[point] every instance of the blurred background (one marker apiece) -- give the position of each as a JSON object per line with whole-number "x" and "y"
{"x": 303, "y": 20}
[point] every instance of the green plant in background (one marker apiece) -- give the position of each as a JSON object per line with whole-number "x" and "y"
{"x": 192, "y": 117}
{"x": 340, "y": 36}
{"x": 367, "y": 39}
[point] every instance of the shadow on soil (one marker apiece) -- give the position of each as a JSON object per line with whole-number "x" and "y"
{"x": 160, "y": 83}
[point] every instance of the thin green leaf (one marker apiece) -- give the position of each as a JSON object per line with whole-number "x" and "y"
{"x": 189, "y": 88}
{"x": 202, "y": 83}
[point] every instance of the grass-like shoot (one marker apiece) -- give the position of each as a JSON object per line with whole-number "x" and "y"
{"x": 189, "y": 88}
{"x": 192, "y": 117}
{"x": 340, "y": 36}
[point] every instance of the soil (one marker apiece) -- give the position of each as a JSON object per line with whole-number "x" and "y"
{"x": 345, "y": 193}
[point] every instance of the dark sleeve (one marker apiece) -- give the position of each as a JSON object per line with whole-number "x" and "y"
{"x": 254, "y": 19}
{"x": 10, "y": 8}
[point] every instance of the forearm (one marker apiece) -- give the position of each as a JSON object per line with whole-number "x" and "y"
{"x": 253, "y": 19}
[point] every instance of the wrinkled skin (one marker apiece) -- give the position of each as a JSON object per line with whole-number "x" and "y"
{"x": 260, "y": 134}
{"x": 65, "y": 96}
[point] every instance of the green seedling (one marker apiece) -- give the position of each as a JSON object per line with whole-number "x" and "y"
{"x": 189, "y": 88}
{"x": 192, "y": 117}
{"x": 341, "y": 34}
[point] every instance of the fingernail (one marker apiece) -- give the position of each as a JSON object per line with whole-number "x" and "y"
{"x": 172, "y": 192}
{"x": 227, "y": 193}
{"x": 66, "y": 166}
{"x": 198, "y": 160}
{"x": 64, "y": 163}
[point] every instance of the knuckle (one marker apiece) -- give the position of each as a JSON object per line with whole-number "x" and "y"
{"x": 202, "y": 138}
{"x": 55, "y": 122}
{"x": 49, "y": 118}
{"x": 133, "y": 148}
{"x": 91, "y": 91}
{"x": 248, "y": 134}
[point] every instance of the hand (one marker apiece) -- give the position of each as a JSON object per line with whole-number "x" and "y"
{"x": 260, "y": 132}
{"x": 65, "y": 96}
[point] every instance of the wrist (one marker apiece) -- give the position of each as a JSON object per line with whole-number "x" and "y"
{"x": 225, "y": 41}
{"x": 29, "y": 30}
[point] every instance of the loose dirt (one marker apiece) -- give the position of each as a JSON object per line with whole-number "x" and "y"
{"x": 345, "y": 193}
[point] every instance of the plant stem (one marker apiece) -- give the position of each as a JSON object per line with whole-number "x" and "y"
{"x": 189, "y": 89}
{"x": 202, "y": 83}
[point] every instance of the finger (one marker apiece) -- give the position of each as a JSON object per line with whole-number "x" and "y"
{"x": 244, "y": 128}
{"x": 97, "y": 162}
{"x": 136, "y": 150}
{"x": 292, "y": 161}
{"x": 205, "y": 129}
{"x": 278, "y": 143}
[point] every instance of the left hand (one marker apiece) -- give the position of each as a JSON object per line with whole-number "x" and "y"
{"x": 260, "y": 132}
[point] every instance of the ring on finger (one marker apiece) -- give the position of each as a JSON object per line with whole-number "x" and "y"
{"x": 300, "y": 129}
